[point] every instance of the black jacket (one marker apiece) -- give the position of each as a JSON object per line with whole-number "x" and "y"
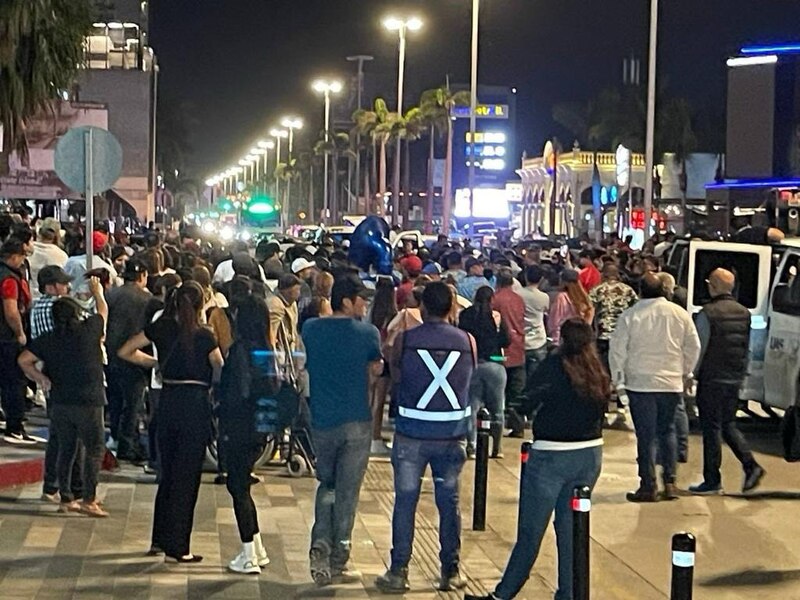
{"x": 725, "y": 358}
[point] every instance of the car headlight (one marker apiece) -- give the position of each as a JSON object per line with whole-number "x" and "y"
{"x": 226, "y": 233}
{"x": 209, "y": 226}
{"x": 246, "y": 236}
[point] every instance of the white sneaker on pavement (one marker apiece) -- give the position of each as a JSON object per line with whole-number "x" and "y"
{"x": 379, "y": 448}
{"x": 245, "y": 561}
{"x": 261, "y": 553}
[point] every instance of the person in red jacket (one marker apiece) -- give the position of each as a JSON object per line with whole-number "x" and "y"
{"x": 511, "y": 307}
{"x": 589, "y": 275}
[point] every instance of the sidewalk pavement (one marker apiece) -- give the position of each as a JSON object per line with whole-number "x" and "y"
{"x": 745, "y": 546}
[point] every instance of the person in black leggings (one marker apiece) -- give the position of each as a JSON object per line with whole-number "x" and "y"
{"x": 189, "y": 361}
{"x": 246, "y": 399}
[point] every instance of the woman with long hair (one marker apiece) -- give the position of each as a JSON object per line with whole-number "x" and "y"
{"x": 246, "y": 397}
{"x": 320, "y": 303}
{"x": 488, "y": 383}
{"x": 382, "y": 312}
{"x": 567, "y": 394}
{"x": 189, "y": 361}
{"x": 571, "y": 301}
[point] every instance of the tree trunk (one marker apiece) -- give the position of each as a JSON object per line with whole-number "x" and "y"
{"x": 447, "y": 193}
{"x": 382, "y": 181}
{"x": 311, "y": 218}
{"x": 373, "y": 170}
{"x": 429, "y": 190}
{"x": 407, "y": 181}
{"x": 396, "y": 184}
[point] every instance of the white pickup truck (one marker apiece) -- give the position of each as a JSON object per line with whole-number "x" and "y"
{"x": 767, "y": 284}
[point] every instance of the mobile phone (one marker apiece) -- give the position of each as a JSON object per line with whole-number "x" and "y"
{"x": 564, "y": 251}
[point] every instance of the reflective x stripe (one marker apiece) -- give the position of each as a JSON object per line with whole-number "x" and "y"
{"x": 439, "y": 379}
{"x": 426, "y": 415}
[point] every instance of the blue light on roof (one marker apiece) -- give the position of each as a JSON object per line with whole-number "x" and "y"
{"x": 773, "y": 49}
{"x": 754, "y": 183}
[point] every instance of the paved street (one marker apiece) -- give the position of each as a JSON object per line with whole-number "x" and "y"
{"x": 747, "y": 548}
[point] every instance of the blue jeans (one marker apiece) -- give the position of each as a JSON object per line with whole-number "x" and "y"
{"x": 654, "y": 419}
{"x": 548, "y": 484}
{"x": 410, "y": 457}
{"x": 342, "y": 457}
{"x": 486, "y": 388}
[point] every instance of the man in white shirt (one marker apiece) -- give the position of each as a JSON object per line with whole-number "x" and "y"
{"x": 46, "y": 251}
{"x": 652, "y": 354}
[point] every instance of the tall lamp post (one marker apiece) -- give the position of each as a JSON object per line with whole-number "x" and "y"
{"x": 266, "y": 146}
{"x": 326, "y": 88}
{"x": 473, "y": 106}
{"x": 360, "y": 59}
{"x": 651, "y": 119}
{"x": 402, "y": 27}
{"x": 290, "y": 123}
{"x": 278, "y": 134}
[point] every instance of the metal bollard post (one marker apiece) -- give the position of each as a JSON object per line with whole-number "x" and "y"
{"x": 581, "y": 508}
{"x": 481, "y": 471}
{"x": 683, "y": 551}
{"x": 524, "y": 453}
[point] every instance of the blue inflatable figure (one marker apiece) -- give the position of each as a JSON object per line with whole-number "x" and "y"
{"x": 369, "y": 246}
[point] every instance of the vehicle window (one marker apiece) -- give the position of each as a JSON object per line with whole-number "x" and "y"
{"x": 742, "y": 264}
{"x": 790, "y": 268}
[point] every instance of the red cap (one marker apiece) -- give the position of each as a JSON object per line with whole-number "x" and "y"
{"x": 412, "y": 264}
{"x": 99, "y": 241}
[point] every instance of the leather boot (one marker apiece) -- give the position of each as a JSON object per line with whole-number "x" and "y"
{"x": 496, "y": 432}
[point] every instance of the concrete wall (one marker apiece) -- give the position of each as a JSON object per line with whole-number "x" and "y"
{"x": 128, "y": 96}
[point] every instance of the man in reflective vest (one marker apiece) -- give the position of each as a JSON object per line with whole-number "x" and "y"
{"x": 431, "y": 367}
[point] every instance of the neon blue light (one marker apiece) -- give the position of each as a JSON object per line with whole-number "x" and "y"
{"x": 753, "y": 183}
{"x": 776, "y": 49}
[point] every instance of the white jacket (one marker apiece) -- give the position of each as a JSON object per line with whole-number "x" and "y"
{"x": 654, "y": 348}
{"x": 44, "y": 255}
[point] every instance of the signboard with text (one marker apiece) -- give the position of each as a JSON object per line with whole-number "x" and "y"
{"x": 482, "y": 111}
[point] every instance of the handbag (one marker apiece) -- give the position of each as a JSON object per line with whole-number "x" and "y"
{"x": 790, "y": 433}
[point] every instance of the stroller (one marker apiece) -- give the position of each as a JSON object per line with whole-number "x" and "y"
{"x": 292, "y": 439}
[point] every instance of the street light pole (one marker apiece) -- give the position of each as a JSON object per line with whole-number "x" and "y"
{"x": 402, "y": 27}
{"x": 473, "y": 106}
{"x": 290, "y": 123}
{"x": 651, "y": 119}
{"x": 326, "y": 88}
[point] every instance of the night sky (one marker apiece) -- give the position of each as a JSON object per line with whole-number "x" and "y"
{"x": 238, "y": 65}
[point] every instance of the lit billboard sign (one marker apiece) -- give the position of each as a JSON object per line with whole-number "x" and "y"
{"x": 482, "y": 111}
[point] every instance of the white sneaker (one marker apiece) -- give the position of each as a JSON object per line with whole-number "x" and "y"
{"x": 261, "y": 552}
{"x": 379, "y": 448}
{"x": 244, "y": 564}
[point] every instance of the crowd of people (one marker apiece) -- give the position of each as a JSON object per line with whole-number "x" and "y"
{"x": 168, "y": 330}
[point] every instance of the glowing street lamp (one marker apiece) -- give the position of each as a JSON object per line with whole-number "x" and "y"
{"x": 402, "y": 27}
{"x": 326, "y": 88}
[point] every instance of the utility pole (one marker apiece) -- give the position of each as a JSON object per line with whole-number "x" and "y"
{"x": 473, "y": 103}
{"x": 651, "y": 119}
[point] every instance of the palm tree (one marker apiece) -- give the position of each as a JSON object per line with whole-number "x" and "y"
{"x": 408, "y": 129}
{"x": 41, "y": 48}
{"x": 437, "y": 105}
{"x": 337, "y": 145}
{"x": 376, "y": 125}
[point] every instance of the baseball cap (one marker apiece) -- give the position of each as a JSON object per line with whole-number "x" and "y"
{"x": 432, "y": 268}
{"x": 300, "y": 264}
{"x": 51, "y": 275}
{"x": 412, "y": 264}
{"x": 133, "y": 268}
{"x": 99, "y": 241}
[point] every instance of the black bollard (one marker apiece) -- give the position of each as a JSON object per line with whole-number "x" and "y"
{"x": 581, "y": 508}
{"x": 683, "y": 552}
{"x": 481, "y": 470}
{"x": 524, "y": 453}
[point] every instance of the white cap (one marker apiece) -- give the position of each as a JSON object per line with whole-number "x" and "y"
{"x": 299, "y": 264}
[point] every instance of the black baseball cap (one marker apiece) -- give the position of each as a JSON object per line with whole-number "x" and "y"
{"x": 133, "y": 269}
{"x": 51, "y": 275}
